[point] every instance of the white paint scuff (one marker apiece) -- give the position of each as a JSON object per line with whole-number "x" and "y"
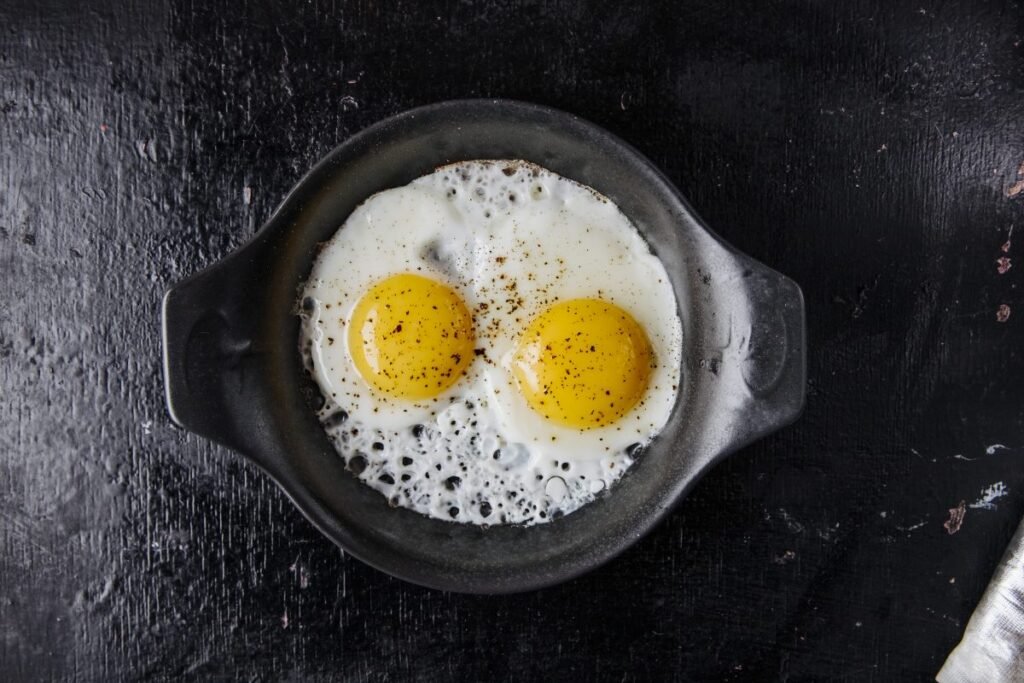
{"x": 989, "y": 495}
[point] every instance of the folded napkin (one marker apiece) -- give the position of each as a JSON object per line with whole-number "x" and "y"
{"x": 992, "y": 648}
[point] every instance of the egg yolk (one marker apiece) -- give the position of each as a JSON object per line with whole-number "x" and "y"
{"x": 583, "y": 363}
{"x": 411, "y": 337}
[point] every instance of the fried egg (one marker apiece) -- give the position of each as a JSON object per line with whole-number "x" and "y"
{"x": 494, "y": 343}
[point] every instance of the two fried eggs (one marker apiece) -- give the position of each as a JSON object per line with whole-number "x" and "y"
{"x": 493, "y": 343}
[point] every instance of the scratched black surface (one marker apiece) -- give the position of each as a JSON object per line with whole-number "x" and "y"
{"x": 869, "y": 150}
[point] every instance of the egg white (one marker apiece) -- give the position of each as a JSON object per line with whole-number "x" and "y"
{"x": 511, "y": 239}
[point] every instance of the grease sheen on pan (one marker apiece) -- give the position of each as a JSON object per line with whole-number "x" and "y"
{"x": 527, "y": 254}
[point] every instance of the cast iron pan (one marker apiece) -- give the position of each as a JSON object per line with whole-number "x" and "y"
{"x": 234, "y": 375}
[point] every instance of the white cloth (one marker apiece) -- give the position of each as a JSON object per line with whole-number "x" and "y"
{"x": 992, "y": 647}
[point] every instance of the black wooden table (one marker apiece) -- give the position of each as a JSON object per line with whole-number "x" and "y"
{"x": 871, "y": 150}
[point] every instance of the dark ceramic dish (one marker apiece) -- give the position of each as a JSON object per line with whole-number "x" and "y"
{"x": 234, "y": 375}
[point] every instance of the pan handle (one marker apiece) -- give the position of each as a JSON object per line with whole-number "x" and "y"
{"x": 775, "y": 366}
{"x": 208, "y": 325}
